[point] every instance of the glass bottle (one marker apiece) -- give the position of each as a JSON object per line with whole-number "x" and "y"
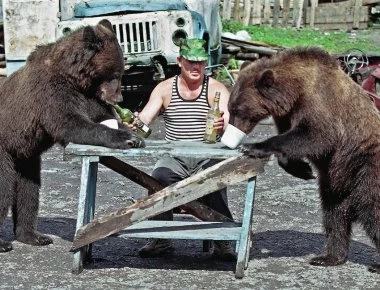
{"x": 128, "y": 117}
{"x": 212, "y": 115}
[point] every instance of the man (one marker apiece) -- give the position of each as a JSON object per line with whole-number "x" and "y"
{"x": 185, "y": 100}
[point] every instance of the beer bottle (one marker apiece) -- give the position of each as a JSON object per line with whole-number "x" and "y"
{"x": 128, "y": 117}
{"x": 212, "y": 115}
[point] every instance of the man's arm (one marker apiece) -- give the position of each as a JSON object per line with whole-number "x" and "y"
{"x": 155, "y": 103}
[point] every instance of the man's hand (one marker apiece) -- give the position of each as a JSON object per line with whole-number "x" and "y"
{"x": 132, "y": 126}
{"x": 219, "y": 124}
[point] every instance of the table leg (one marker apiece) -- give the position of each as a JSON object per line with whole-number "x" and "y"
{"x": 244, "y": 243}
{"x": 86, "y": 207}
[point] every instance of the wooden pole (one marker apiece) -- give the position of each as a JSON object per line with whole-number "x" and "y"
{"x": 298, "y": 14}
{"x": 267, "y": 12}
{"x": 256, "y": 12}
{"x": 285, "y": 13}
{"x": 276, "y": 13}
{"x": 313, "y": 5}
{"x": 247, "y": 12}
{"x": 226, "y": 9}
{"x": 237, "y": 11}
{"x": 357, "y": 6}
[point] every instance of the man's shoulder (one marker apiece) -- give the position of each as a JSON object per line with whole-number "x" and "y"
{"x": 215, "y": 83}
{"x": 165, "y": 85}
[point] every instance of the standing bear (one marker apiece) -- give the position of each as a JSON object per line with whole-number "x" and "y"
{"x": 323, "y": 118}
{"x": 61, "y": 94}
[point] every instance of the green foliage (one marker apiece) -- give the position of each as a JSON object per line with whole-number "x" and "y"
{"x": 333, "y": 41}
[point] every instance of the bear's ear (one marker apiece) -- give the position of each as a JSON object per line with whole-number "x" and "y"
{"x": 106, "y": 24}
{"x": 265, "y": 82}
{"x": 91, "y": 40}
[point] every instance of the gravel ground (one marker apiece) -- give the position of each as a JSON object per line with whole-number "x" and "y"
{"x": 286, "y": 226}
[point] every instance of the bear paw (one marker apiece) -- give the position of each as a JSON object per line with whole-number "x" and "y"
{"x": 134, "y": 142}
{"x": 374, "y": 268}
{"x": 5, "y": 246}
{"x": 326, "y": 261}
{"x": 34, "y": 238}
{"x": 252, "y": 151}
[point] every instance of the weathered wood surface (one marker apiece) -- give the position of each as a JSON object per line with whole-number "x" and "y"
{"x": 227, "y": 172}
{"x": 154, "y": 149}
{"x": 256, "y": 47}
{"x": 194, "y": 208}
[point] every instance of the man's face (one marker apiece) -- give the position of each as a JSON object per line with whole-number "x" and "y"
{"x": 192, "y": 69}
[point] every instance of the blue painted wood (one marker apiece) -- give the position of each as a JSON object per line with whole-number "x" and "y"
{"x": 244, "y": 247}
{"x": 183, "y": 230}
{"x": 239, "y": 232}
{"x": 86, "y": 207}
{"x": 155, "y": 149}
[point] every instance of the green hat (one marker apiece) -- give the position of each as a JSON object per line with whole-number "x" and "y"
{"x": 193, "y": 49}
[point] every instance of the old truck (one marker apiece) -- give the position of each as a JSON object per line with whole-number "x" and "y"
{"x": 148, "y": 32}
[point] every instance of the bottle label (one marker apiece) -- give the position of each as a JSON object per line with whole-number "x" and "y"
{"x": 209, "y": 124}
{"x": 145, "y": 128}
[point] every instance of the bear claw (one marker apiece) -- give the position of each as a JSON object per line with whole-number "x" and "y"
{"x": 326, "y": 261}
{"x": 5, "y": 246}
{"x": 35, "y": 239}
{"x": 374, "y": 268}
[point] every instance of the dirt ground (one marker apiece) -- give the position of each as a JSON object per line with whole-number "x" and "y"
{"x": 286, "y": 234}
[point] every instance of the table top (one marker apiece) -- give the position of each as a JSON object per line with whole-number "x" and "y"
{"x": 156, "y": 148}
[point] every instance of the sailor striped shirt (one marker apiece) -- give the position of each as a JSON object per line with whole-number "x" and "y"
{"x": 186, "y": 119}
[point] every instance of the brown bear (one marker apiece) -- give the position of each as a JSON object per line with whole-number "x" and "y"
{"x": 61, "y": 94}
{"x": 325, "y": 118}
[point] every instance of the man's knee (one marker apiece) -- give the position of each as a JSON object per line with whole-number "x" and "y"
{"x": 164, "y": 175}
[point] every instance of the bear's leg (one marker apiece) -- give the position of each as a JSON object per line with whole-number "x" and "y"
{"x": 371, "y": 223}
{"x": 338, "y": 231}
{"x": 25, "y": 207}
{"x": 7, "y": 177}
{"x": 297, "y": 168}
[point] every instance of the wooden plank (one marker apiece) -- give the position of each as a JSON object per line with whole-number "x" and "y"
{"x": 183, "y": 230}
{"x": 227, "y": 172}
{"x": 313, "y": 5}
{"x": 247, "y": 46}
{"x": 256, "y": 12}
{"x": 226, "y": 13}
{"x": 237, "y": 10}
{"x": 356, "y": 16}
{"x": 246, "y": 12}
{"x": 325, "y": 16}
{"x": 369, "y": 2}
{"x": 154, "y": 149}
{"x": 266, "y": 12}
{"x": 298, "y": 11}
{"x": 195, "y": 208}
{"x": 276, "y": 13}
{"x": 285, "y": 19}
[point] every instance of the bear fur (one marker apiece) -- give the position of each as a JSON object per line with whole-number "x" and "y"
{"x": 61, "y": 94}
{"x": 323, "y": 118}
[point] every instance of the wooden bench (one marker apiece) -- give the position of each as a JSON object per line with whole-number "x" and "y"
{"x": 132, "y": 220}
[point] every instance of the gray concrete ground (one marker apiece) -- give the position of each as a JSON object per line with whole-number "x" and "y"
{"x": 287, "y": 233}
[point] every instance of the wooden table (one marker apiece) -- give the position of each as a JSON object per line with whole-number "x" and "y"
{"x": 132, "y": 220}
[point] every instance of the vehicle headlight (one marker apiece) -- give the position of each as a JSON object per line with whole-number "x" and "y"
{"x": 177, "y": 35}
{"x": 180, "y": 22}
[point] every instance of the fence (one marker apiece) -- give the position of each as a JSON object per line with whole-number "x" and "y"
{"x": 298, "y": 13}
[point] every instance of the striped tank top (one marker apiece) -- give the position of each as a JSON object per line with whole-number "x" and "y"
{"x": 186, "y": 119}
